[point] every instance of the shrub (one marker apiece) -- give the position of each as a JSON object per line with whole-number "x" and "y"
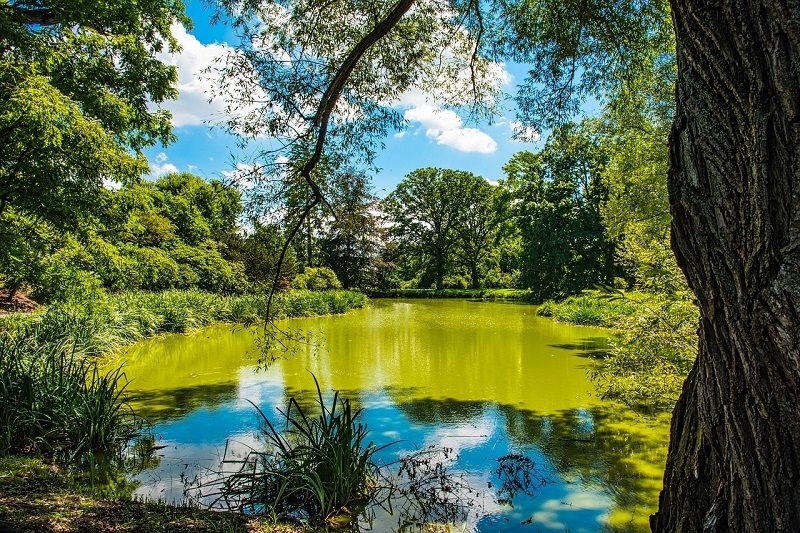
{"x": 155, "y": 270}
{"x": 652, "y": 350}
{"x": 316, "y": 279}
{"x": 211, "y": 271}
{"x": 591, "y": 308}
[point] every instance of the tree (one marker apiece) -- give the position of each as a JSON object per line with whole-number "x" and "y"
{"x": 734, "y": 453}
{"x": 558, "y": 196}
{"x": 735, "y": 446}
{"x": 76, "y": 80}
{"x": 350, "y": 242}
{"x": 476, "y": 228}
{"x": 425, "y": 210}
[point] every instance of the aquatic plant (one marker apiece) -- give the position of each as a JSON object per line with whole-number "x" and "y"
{"x": 53, "y": 398}
{"x": 320, "y": 468}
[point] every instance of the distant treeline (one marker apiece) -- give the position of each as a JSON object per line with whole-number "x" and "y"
{"x": 589, "y": 209}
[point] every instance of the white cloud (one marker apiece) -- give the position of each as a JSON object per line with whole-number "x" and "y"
{"x": 523, "y": 133}
{"x": 468, "y": 140}
{"x": 444, "y": 126}
{"x": 159, "y": 167}
{"x": 192, "y": 107}
{"x": 156, "y": 170}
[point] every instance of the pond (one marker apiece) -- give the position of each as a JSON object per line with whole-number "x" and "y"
{"x": 484, "y": 379}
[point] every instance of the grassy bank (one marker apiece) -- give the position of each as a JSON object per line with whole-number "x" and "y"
{"x": 651, "y": 351}
{"x": 109, "y": 324}
{"x": 481, "y": 294}
{"x": 36, "y": 497}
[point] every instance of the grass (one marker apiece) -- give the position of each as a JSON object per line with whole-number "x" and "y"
{"x": 37, "y": 497}
{"x": 651, "y": 351}
{"x": 53, "y": 397}
{"x": 125, "y": 318}
{"x": 320, "y": 468}
{"x": 592, "y": 308}
{"x": 55, "y": 400}
{"x": 483, "y": 294}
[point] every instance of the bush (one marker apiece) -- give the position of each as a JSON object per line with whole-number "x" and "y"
{"x": 652, "y": 351}
{"x": 155, "y": 270}
{"x": 652, "y": 355}
{"x": 316, "y": 279}
{"x": 591, "y": 308}
{"x": 211, "y": 271}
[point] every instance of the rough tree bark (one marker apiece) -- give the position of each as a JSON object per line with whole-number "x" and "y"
{"x": 734, "y": 455}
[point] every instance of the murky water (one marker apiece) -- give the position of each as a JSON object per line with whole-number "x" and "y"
{"x": 482, "y": 378}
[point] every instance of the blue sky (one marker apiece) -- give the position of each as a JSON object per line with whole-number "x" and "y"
{"x": 433, "y": 137}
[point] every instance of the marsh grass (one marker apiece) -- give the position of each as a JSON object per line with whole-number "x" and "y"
{"x": 126, "y": 318}
{"x": 53, "y": 399}
{"x": 320, "y": 468}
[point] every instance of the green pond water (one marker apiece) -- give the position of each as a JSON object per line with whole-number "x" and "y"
{"x": 482, "y": 378}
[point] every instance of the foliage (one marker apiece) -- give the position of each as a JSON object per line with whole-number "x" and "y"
{"x": 53, "y": 399}
{"x": 320, "y": 467}
{"x": 652, "y": 351}
{"x": 350, "y": 243}
{"x": 77, "y": 84}
{"x": 438, "y": 215}
{"x": 317, "y": 279}
{"x": 486, "y": 294}
{"x": 153, "y": 236}
{"x": 558, "y": 194}
{"x": 591, "y": 308}
{"x": 649, "y": 359}
{"x": 107, "y": 325}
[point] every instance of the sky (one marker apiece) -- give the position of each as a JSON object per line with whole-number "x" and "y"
{"x": 432, "y": 137}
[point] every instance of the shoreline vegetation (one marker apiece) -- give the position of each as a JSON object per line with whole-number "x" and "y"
{"x": 477, "y": 294}
{"x": 60, "y": 413}
{"x": 651, "y": 351}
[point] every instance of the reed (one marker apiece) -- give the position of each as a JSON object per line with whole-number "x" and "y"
{"x": 321, "y": 466}
{"x": 54, "y": 399}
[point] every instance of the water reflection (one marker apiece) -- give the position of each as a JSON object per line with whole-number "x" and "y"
{"x": 483, "y": 379}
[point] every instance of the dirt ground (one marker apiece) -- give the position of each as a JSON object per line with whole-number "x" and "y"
{"x": 35, "y": 497}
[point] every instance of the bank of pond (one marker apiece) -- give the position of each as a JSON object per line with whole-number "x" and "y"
{"x": 480, "y": 414}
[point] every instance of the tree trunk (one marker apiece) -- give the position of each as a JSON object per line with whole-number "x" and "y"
{"x": 439, "y": 272}
{"x": 476, "y": 279}
{"x": 734, "y": 455}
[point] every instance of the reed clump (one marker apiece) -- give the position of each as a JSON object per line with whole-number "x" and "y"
{"x": 55, "y": 400}
{"x": 320, "y": 468}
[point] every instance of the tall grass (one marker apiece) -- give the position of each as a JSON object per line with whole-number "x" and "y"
{"x": 54, "y": 399}
{"x": 129, "y": 317}
{"x": 320, "y": 467}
